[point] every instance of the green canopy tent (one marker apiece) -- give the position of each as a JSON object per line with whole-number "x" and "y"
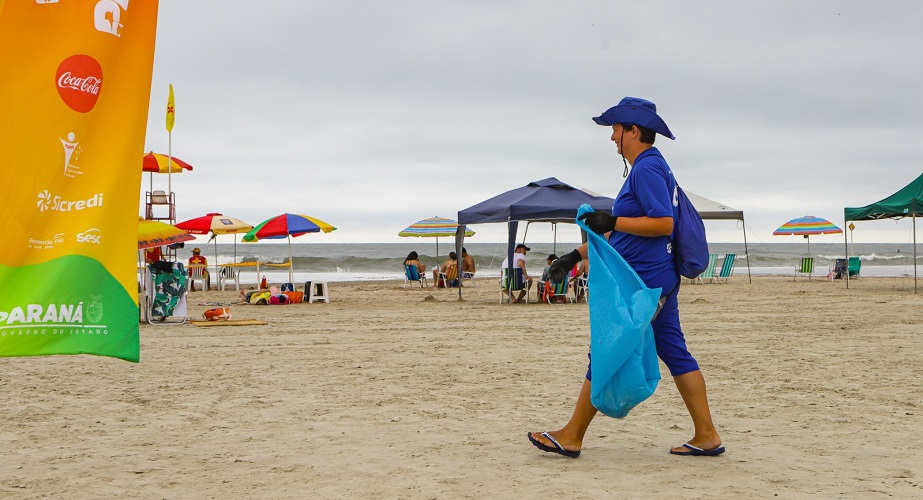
{"x": 908, "y": 202}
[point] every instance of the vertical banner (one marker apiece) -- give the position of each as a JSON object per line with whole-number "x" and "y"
{"x": 74, "y": 89}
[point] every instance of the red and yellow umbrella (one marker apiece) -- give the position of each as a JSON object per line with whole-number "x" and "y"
{"x": 153, "y": 233}
{"x": 216, "y": 224}
{"x": 162, "y": 164}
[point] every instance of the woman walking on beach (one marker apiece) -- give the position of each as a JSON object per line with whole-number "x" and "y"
{"x": 639, "y": 229}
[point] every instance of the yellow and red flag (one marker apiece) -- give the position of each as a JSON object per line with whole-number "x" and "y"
{"x": 171, "y": 110}
{"x": 76, "y": 81}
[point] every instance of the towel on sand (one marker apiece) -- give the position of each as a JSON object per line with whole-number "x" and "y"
{"x": 624, "y": 357}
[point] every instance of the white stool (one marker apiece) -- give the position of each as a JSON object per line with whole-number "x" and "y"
{"x": 318, "y": 291}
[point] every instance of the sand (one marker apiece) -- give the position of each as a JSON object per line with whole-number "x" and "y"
{"x": 389, "y": 392}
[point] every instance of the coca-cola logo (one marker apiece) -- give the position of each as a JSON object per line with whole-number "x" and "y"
{"x": 79, "y": 79}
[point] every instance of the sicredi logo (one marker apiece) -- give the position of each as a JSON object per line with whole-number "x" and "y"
{"x": 48, "y": 202}
{"x": 79, "y": 79}
{"x": 89, "y": 236}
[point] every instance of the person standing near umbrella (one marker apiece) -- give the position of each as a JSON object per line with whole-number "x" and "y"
{"x": 639, "y": 229}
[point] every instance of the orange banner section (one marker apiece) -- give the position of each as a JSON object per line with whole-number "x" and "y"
{"x": 74, "y": 88}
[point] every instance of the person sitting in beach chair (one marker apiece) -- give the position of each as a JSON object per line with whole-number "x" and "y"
{"x": 468, "y": 267}
{"x": 413, "y": 259}
{"x": 838, "y": 271}
{"x": 580, "y": 278}
{"x": 540, "y": 289}
{"x": 198, "y": 264}
{"x": 521, "y": 280}
{"x": 447, "y": 275}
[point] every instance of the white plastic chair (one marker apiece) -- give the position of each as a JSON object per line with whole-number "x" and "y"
{"x": 228, "y": 273}
{"x": 198, "y": 273}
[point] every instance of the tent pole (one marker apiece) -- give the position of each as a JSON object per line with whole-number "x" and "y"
{"x": 846, "y": 247}
{"x": 554, "y": 231}
{"x": 459, "y": 243}
{"x": 914, "y": 253}
{"x": 526, "y": 232}
{"x": 511, "y": 228}
{"x": 746, "y": 249}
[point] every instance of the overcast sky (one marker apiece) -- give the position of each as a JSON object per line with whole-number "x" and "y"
{"x": 373, "y": 115}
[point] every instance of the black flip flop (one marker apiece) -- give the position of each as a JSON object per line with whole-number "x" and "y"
{"x": 557, "y": 446}
{"x": 699, "y": 452}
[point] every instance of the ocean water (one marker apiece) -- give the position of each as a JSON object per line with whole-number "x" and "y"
{"x": 384, "y": 261}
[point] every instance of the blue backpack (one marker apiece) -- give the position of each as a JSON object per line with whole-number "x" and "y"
{"x": 690, "y": 249}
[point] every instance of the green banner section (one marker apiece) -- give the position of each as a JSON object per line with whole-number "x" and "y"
{"x": 70, "y": 305}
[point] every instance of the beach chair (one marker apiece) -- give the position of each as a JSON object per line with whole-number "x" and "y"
{"x": 198, "y": 272}
{"x": 228, "y": 274}
{"x": 581, "y": 287}
{"x": 838, "y": 270}
{"x": 709, "y": 271}
{"x": 516, "y": 284}
{"x": 412, "y": 274}
{"x": 559, "y": 291}
{"x": 165, "y": 293}
{"x": 449, "y": 279}
{"x": 806, "y": 269}
{"x": 727, "y": 269}
{"x": 469, "y": 276}
{"x": 853, "y": 267}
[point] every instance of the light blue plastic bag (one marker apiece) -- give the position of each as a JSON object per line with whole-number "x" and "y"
{"x": 624, "y": 357}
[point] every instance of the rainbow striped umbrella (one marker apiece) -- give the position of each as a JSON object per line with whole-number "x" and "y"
{"x": 286, "y": 226}
{"x": 806, "y": 226}
{"x": 434, "y": 227}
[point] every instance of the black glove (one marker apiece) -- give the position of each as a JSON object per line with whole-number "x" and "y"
{"x": 559, "y": 268}
{"x": 599, "y": 222}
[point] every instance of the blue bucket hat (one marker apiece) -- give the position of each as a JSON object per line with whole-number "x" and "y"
{"x": 636, "y": 111}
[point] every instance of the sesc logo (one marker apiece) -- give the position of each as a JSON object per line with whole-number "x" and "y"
{"x": 89, "y": 236}
{"x": 79, "y": 79}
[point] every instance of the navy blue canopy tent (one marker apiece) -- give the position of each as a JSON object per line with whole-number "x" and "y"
{"x": 547, "y": 200}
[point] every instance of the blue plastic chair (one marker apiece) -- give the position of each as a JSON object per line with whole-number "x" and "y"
{"x": 412, "y": 274}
